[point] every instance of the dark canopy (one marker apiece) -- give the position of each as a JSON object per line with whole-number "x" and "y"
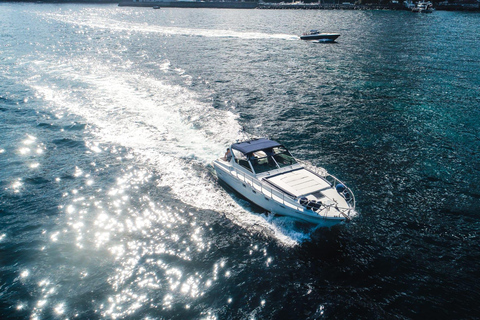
{"x": 255, "y": 145}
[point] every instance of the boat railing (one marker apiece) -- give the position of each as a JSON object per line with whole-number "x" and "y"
{"x": 336, "y": 183}
{"x": 290, "y": 201}
{"x": 269, "y": 192}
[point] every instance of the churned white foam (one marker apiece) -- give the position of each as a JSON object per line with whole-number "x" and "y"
{"x": 165, "y": 125}
{"x": 285, "y": 227}
{"x": 99, "y": 22}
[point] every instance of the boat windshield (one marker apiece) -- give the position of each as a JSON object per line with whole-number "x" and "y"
{"x": 261, "y": 162}
{"x": 271, "y": 159}
{"x": 241, "y": 159}
{"x": 283, "y": 157}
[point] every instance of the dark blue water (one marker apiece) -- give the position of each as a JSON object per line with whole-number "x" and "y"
{"x": 110, "y": 118}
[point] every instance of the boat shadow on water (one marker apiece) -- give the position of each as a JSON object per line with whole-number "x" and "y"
{"x": 323, "y": 42}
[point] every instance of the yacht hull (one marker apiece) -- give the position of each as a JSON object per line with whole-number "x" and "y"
{"x": 320, "y": 37}
{"x": 253, "y": 192}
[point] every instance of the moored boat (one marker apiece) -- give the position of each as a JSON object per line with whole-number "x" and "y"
{"x": 264, "y": 172}
{"x": 320, "y": 36}
{"x": 423, "y": 7}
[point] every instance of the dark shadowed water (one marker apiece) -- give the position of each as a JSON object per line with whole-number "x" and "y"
{"x": 111, "y": 116}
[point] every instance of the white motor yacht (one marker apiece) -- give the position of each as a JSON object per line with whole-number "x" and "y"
{"x": 319, "y": 36}
{"x": 423, "y": 7}
{"x": 264, "y": 172}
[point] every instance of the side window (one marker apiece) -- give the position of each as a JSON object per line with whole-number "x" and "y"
{"x": 241, "y": 159}
{"x": 238, "y": 155}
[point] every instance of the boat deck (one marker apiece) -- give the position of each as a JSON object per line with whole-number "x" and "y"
{"x": 298, "y": 182}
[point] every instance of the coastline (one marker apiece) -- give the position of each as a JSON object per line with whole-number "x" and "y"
{"x": 257, "y": 5}
{"x": 192, "y": 4}
{"x": 287, "y": 6}
{"x": 62, "y": 1}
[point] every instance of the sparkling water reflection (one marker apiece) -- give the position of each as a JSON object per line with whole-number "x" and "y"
{"x": 110, "y": 120}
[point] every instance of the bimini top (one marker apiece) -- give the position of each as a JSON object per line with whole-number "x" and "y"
{"x": 255, "y": 145}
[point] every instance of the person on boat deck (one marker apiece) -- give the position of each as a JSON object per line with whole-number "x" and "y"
{"x": 228, "y": 155}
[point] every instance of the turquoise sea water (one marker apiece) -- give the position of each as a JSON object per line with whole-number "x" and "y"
{"x": 110, "y": 118}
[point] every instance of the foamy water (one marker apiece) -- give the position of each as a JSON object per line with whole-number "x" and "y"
{"x": 164, "y": 125}
{"x": 95, "y": 21}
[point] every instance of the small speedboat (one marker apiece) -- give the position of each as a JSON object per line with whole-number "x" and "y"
{"x": 156, "y": 7}
{"x": 320, "y": 36}
{"x": 264, "y": 172}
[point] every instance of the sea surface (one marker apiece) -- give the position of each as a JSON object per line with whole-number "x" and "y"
{"x": 111, "y": 116}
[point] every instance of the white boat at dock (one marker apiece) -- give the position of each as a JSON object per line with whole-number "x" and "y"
{"x": 264, "y": 172}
